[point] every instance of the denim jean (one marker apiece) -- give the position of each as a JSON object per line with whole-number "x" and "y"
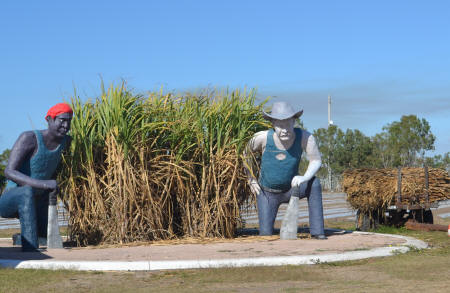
{"x": 32, "y": 211}
{"x": 269, "y": 202}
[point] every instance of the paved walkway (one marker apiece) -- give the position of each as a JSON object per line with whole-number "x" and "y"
{"x": 212, "y": 253}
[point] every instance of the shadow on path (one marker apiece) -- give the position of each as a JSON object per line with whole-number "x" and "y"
{"x": 302, "y": 230}
{"x": 18, "y": 255}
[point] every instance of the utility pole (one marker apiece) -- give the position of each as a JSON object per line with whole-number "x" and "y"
{"x": 330, "y": 122}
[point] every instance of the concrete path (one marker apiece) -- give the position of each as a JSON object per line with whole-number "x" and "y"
{"x": 213, "y": 253}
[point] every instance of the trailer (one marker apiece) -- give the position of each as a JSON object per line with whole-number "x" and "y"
{"x": 397, "y": 214}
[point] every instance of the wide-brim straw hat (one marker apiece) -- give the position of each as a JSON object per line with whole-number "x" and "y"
{"x": 282, "y": 111}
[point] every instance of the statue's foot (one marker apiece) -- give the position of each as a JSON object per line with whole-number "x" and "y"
{"x": 16, "y": 239}
{"x": 319, "y": 237}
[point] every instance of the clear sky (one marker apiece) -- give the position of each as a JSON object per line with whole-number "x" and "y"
{"x": 378, "y": 59}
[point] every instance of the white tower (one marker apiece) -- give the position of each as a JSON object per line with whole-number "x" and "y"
{"x": 330, "y": 122}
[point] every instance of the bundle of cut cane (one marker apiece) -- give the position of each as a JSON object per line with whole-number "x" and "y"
{"x": 371, "y": 189}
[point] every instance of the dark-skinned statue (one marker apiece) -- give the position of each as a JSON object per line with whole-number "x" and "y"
{"x": 31, "y": 174}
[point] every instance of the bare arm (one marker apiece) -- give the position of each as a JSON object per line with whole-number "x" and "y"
{"x": 256, "y": 145}
{"x": 312, "y": 155}
{"x": 23, "y": 149}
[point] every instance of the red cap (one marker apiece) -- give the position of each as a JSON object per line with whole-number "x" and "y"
{"x": 59, "y": 109}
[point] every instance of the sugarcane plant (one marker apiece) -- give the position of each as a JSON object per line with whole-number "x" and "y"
{"x": 158, "y": 166}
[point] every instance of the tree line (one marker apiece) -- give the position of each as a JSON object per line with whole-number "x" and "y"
{"x": 3, "y": 161}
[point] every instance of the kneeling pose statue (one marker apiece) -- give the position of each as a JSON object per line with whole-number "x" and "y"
{"x": 31, "y": 175}
{"x": 279, "y": 182}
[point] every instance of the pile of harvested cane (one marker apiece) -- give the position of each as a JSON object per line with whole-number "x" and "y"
{"x": 376, "y": 189}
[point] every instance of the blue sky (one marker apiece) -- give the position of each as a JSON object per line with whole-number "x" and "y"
{"x": 378, "y": 59}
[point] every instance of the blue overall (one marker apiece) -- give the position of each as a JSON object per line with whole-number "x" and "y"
{"x": 29, "y": 204}
{"x": 275, "y": 181}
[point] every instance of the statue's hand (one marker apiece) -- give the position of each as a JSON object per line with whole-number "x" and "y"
{"x": 50, "y": 184}
{"x": 297, "y": 180}
{"x": 53, "y": 197}
{"x": 254, "y": 186}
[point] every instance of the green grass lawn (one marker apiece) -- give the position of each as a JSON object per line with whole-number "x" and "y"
{"x": 413, "y": 271}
